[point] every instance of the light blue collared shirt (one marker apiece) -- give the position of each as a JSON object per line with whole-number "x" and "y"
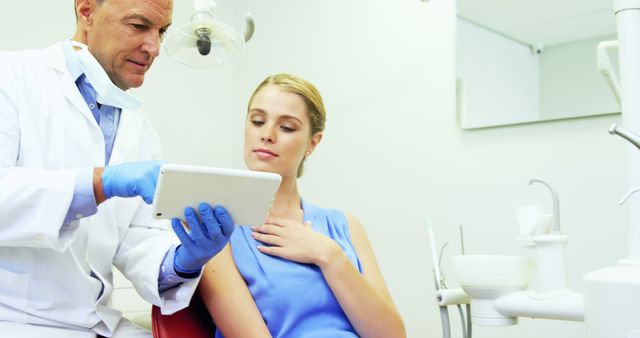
{"x": 84, "y": 202}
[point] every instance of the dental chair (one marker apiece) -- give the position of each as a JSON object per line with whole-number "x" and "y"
{"x": 193, "y": 321}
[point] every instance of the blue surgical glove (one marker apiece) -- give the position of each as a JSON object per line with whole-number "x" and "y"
{"x": 131, "y": 179}
{"x": 209, "y": 234}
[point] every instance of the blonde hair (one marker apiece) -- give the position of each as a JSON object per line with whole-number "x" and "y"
{"x": 307, "y": 91}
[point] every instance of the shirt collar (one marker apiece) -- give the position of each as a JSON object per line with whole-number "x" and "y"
{"x": 73, "y": 63}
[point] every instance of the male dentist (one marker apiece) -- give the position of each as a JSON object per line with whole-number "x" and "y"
{"x": 78, "y": 168}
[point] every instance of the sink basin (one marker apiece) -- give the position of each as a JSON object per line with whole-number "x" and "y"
{"x": 492, "y": 271}
{"x": 485, "y": 278}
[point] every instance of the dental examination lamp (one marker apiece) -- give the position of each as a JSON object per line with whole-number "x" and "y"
{"x": 204, "y": 42}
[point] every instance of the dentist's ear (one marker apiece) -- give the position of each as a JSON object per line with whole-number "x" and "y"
{"x": 83, "y": 10}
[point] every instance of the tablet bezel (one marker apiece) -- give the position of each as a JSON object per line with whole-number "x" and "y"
{"x": 247, "y": 195}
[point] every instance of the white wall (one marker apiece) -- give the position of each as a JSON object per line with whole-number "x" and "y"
{"x": 23, "y": 27}
{"x": 393, "y": 151}
{"x": 190, "y": 108}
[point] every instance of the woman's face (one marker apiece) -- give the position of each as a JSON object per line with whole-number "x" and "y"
{"x": 277, "y": 132}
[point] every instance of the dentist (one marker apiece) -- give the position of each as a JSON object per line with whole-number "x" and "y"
{"x": 78, "y": 168}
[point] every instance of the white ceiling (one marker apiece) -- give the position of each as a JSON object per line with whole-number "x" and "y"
{"x": 548, "y": 22}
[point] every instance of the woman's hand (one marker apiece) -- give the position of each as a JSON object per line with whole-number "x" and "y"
{"x": 294, "y": 241}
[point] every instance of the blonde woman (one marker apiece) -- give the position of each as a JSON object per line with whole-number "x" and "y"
{"x": 308, "y": 271}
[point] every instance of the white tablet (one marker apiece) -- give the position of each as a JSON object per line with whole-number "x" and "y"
{"x": 247, "y": 195}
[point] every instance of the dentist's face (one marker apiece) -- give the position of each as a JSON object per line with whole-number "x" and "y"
{"x": 125, "y": 36}
{"x": 277, "y": 132}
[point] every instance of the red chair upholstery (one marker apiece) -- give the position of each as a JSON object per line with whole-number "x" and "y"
{"x": 193, "y": 321}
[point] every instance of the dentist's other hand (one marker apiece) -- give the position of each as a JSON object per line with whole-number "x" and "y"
{"x": 209, "y": 234}
{"x": 131, "y": 179}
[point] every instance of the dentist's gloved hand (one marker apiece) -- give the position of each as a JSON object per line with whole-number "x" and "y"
{"x": 209, "y": 234}
{"x": 132, "y": 179}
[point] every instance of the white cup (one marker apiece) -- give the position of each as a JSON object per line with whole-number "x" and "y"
{"x": 528, "y": 218}
{"x": 543, "y": 226}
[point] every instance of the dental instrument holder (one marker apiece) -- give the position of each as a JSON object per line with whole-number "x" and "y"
{"x": 611, "y": 294}
{"x": 617, "y": 287}
{"x": 446, "y": 297}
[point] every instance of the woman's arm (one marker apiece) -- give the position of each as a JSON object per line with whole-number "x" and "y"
{"x": 363, "y": 297}
{"x": 228, "y": 299}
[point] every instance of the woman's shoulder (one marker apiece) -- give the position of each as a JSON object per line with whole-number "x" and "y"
{"x": 333, "y": 213}
{"x": 340, "y": 216}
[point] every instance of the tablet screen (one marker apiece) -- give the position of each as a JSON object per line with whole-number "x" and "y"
{"x": 247, "y": 195}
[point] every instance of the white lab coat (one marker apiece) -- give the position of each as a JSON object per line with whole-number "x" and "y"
{"x": 46, "y": 132}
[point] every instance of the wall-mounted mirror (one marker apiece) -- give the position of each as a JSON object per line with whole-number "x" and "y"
{"x": 523, "y": 61}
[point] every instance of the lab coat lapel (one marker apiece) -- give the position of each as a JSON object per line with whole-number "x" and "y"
{"x": 55, "y": 59}
{"x": 73, "y": 95}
